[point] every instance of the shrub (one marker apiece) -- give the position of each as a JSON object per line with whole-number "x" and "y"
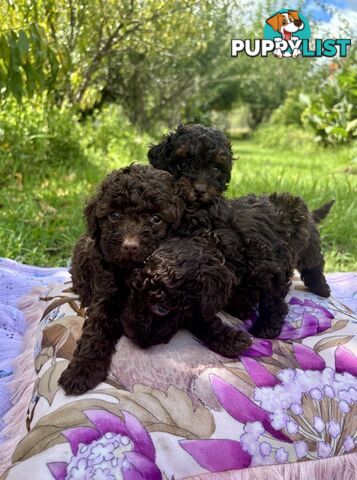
{"x": 289, "y": 112}
{"x": 110, "y": 133}
{"x": 32, "y": 135}
{"x": 35, "y": 139}
{"x": 332, "y": 111}
{"x": 284, "y": 136}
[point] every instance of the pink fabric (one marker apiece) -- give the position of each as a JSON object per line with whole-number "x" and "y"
{"x": 336, "y": 468}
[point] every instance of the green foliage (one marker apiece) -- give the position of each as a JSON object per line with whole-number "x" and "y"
{"x": 290, "y": 111}
{"x": 332, "y": 111}
{"x": 260, "y": 83}
{"x": 48, "y": 167}
{"x": 283, "y": 137}
{"x": 33, "y": 138}
{"x": 32, "y": 135}
{"x": 147, "y": 56}
{"x": 110, "y": 135}
{"x": 28, "y": 64}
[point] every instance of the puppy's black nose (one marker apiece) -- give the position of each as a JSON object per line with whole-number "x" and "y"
{"x": 200, "y": 189}
{"x": 298, "y": 22}
{"x": 130, "y": 246}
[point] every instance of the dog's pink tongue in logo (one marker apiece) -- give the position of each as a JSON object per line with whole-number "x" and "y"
{"x": 287, "y": 26}
{"x": 286, "y": 34}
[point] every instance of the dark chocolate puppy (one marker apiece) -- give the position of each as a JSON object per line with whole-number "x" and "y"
{"x": 133, "y": 211}
{"x": 199, "y": 158}
{"x": 249, "y": 247}
{"x": 183, "y": 284}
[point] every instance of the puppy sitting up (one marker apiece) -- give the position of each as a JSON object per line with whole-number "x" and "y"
{"x": 133, "y": 211}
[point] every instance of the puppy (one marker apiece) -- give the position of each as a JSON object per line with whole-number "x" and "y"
{"x": 200, "y": 160}
{"x": 133, "y": 211}
{"x": 183, "y": 284}
{"x": 304, "y": 238}
{"x": 245, "y": 259}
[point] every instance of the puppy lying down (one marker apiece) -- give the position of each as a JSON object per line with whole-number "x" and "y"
{"x": 245, "y": 261}
{"x": 184, "y": 284}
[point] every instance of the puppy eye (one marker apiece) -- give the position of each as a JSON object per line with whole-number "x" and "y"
{"x": 156, "y": 219}
{"x": 114, "y": 216}
{"x": 216, "y": 171}
{"x": 159, "y": 309}
{"x": 183, "y": 164}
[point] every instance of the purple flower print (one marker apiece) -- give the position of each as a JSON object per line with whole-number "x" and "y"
{"x": 285, "y": 418}
{"x": 298, "y": 307}
{"x": 217, "y": 455}
{"x": 346, "y": 361}
{"x": 260, "y": 348}
{"x": 298, "y": 390}
{"x": 262, "y": 376}
{"x": 111, "y": 449}
{"x": 307, "y": 358}
{"x": 301, "y": 449}
{"x": 305, "y": 318}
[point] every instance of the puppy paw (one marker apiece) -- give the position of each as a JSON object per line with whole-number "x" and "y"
{"x": 265, "y": 331}
{"x": 77, "y": 380}
{"x": 315, "y": 281}
{"x": 235, "y": 345}
{"x": 322, "y": 289}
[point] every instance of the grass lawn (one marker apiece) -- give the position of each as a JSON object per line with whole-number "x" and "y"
{"x": 41, "y": 210}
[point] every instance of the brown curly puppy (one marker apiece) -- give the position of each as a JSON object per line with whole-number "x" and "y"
{"x": 185, "y": 282}
{"x": 133, "y": 210}
{"x": 199, "y": 158}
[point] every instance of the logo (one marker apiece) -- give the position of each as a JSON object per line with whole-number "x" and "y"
{"x": 287, "y": 34}
{"x": 285, "y": 29}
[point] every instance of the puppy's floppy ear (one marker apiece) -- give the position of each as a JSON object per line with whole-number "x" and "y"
{"x": 173, "y": 206}
{"x": 231, "y": 159}
{"x": 294, "y": 14}
{"x": 93, "y": 229}
{"x": 275, "y": 22}
{"x": 217, "y": 284}
{"x": 158, "y": 154}
{"x": 174, "y": 211}
{"x": 225, "y": 157}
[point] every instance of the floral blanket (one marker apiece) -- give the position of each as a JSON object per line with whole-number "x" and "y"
{"x": 178, "y": 410}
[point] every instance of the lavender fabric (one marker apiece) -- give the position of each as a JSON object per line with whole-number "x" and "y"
{"x": 344, "y": 288}
{"x": 17, "y": 280}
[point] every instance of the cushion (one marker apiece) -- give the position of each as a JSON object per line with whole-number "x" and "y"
{"x": 180, "y": 410}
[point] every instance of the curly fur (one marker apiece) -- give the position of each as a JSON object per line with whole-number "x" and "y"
{"x": 243, "y": 254}
{"x": 134, "y": 210}
{"x": 183, "y": 284}
{"x": 199, "y": 158}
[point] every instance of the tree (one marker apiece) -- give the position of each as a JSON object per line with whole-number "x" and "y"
{"x": 28, "y": 64}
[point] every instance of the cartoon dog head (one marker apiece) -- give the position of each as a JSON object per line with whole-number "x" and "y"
{"x": 286, "y": 23}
